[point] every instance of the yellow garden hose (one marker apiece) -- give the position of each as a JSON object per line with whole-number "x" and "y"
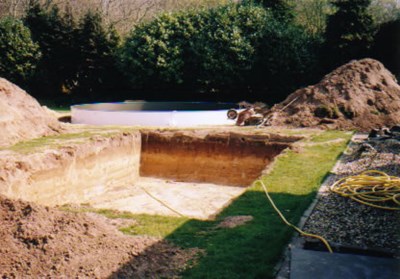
{"x": 161, "y": 202}
{"x": 289, "y": 224}
{"x": 373, "y": 188}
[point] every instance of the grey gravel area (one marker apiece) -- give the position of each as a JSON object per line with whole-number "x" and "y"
{"x": 347, "y": 222}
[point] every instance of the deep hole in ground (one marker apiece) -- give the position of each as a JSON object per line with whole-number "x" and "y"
{"x": 226, "y": 159}
{"x": 196, "y": 173}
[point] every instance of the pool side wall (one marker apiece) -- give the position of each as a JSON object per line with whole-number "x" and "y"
{"x": 131, "y": 115}
{"x": 73, "y": 174}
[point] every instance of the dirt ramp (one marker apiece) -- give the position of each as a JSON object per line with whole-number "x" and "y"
{"x": 39, "y": 241}
{"x": 22, "y": 117}
{"x": 359, "y": 95}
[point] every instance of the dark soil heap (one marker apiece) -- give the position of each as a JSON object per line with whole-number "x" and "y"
{"x": 359, "y": 95}
{"x": 22, "y": 117}
{"x": 38, "y": 241}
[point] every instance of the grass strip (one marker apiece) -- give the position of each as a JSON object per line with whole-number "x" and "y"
{"x": 252, "y": 250}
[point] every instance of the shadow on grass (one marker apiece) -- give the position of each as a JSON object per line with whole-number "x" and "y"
{"x": 248, "y": 251}
{"x": 252, "y": 250}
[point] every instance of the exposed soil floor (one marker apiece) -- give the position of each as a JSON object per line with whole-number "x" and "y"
{"x": 167, "y": 197}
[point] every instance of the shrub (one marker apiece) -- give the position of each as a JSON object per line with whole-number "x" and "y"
{"x": 240, "y": 50}
{"x": 281, "y": 9}
{"x": 19, "y": 55}
{"x": 155, "y": 53}
{"x": 204, "y": 51}
{"x": 287, "y": 59}
{"x": 225, "y": 50}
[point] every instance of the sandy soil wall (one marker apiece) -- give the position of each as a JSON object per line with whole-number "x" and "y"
{"x": 227, "y": 159}
{"x": 74, "y": 173}
{"x": 80, "y": 172}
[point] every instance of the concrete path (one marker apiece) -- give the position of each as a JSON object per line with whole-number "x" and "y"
{"x": 307, "y": 264}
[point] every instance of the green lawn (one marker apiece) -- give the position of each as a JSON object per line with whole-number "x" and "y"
{"x": 251, "y": 250}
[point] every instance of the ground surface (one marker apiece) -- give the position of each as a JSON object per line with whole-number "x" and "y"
{"x": 43, "y": 242}
{"x": 40, "y": 241}
{"x": 167, "y": 197}
{"x": 346, "y": 222}
{"x": 360, "y": 95}
{"x": 339, "y": 265}
{"x": 75, "y": 244}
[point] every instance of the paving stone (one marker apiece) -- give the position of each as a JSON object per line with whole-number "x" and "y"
{"x": 307, "y": 264}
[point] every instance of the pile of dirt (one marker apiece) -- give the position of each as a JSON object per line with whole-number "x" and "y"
{"x": 359, "y": 95}
{"x": 43, "y": 242}
{"x": 22, "y": 117}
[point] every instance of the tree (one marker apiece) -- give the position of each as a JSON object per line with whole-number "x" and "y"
{"x": 349, "y": 33}
{"x": 19, "y": 55}
{"x": 97, "y": 68}
{"x": 313, "y": 14}
{"x": 281, "y": 9}
{"x": 384, "y": 11}
{"x": 55, "y": 35}
{"x": 12, "y": 8}
{"x": 78, "y": 59}
{"x": 122, "y": 14}
{"x": 387, "y": 46}
{"x": 286, "y": 60}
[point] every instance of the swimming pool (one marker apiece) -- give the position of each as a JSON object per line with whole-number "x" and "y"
{"x": 141, "y": 113}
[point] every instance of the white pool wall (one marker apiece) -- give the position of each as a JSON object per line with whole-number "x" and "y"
{"x": 146, "y": 114}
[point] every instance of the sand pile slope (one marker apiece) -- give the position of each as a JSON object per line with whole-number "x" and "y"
{"x": 359, "y": 95}
{"x": 38, "y": 241}
{"x": 21, "y": 116}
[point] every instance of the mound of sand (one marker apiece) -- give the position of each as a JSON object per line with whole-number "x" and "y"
{"x": 21, "y": 116}
{"x": 359, "y": 95}
{"x": 43, "y": 242}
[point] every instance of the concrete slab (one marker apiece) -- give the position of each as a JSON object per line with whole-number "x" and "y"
{"x": 163, "y": 197}
{"x": 307, "y": 264}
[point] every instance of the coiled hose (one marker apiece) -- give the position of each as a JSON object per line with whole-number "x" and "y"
{"x": 373, "y": 188}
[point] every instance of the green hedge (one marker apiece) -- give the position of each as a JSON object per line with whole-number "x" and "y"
{"x": 287, "y": 59}
{"x": 19, "y": 55}
{"x": 240, "y": 50}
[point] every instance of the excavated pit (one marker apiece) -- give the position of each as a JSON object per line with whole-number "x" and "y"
{"x": 192, "y": 173}
{"x": 225, "y": 159}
